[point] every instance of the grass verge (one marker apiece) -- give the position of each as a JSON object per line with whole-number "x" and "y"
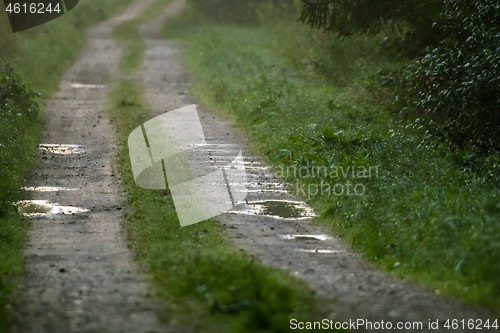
{"x": 209, "y": 286}
{"x": 128, "y": 32}
{"x": 418, "y": 211}
{"x": 39, "y": 56}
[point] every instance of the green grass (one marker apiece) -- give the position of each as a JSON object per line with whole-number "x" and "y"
{"x": 427, "y": 215}
{"x": 12, "y": 237}
{"x": 128, "y": 32}
{"x": 18, "y": 116}
{"x": 39, "y": 55}
{"x": 208, "y": 285}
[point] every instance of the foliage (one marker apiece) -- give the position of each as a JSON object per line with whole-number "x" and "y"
{"x": 18, "y": 119}
{"x": 414, "y": 18}
{"x": 454, "y": 88}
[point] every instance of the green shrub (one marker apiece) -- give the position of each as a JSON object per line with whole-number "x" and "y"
{"x": 18, "y": 115}
{"x": 453, "y": 90}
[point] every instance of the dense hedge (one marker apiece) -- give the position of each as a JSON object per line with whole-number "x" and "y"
{"x": 455, "y": 88}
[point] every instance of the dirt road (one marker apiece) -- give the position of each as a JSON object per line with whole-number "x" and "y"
{"x": 80, "y": 274}
{"x": 81, "y": 277}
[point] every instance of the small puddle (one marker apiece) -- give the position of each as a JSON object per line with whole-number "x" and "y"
{"x": 87, "y": 86}
{"x": 59, "y": 149}
{"x": 40, "y": 208}
{"x": 306, "y": 237}
{"x": 214, "y": 144}
{"x": 280, "y": 209}
{"x": 320, "y": 251}
{"x": 48, "y": 189}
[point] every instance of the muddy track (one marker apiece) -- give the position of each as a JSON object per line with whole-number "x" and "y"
{"x": 349, "y": 287}
{"x": 80, "y": 275}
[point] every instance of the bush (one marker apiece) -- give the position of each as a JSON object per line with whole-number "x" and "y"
{"x": 454, "y": 89}
{"x": 18, "y": 116}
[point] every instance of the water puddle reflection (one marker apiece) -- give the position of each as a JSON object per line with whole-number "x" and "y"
{"x": 40, "y": 208}
{"x": 47, "y": 189}
{"x": 320, "y": 251}
{"x": 280, "y": 209}
{"x": 306, "y": 237}
{"x": 59, "y": 149}
{"x": 87, "y": 86}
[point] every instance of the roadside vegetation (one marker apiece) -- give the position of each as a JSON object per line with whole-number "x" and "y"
{"x": 419, "y": 107}
{"x": 31, "y": 63}
{"x": 18, "y": 139}
{"x": 208, "y": 285}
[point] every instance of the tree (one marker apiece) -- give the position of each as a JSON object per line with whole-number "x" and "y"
{"x": 413, "y": 18}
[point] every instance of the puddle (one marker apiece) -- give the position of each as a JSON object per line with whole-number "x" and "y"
{"x": 58, "y": 149}
{"x": 87, "y": 86}
{"x": 216, "y": 150}
{"x": 320, "y": 251}
{"x": 215, "y": 144}
{"x": 40, "y": 208}
{"x": 48, "y": 189}
{"x": 306, "y": 237}
{"x": 265, "y": 191}
{"x": 280, "y": 209}
{"x": 239, "y": 166}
